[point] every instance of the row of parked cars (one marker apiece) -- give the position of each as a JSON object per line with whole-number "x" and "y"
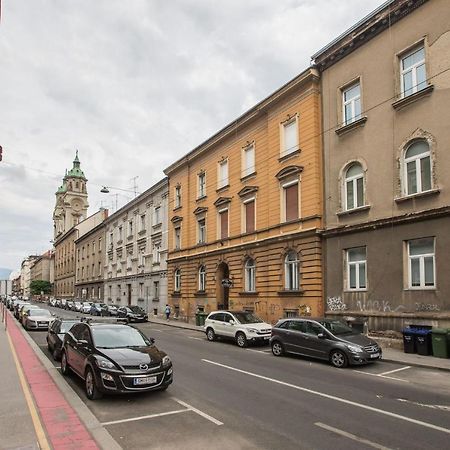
{"x": 109, "y": 356}
{"x": 132, "y": 313}
{"x": 322, "y": 338}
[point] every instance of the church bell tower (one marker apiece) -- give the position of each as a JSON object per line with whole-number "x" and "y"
{"x": 71, "y": 200}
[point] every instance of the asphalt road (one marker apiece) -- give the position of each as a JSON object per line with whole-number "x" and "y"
{"x": 226, "y": 397}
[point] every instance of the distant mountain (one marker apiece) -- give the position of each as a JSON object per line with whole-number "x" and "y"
{"x": 5, "y": 273}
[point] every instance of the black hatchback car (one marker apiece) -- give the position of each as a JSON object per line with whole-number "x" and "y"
{"x": 56, "y": 333}
{"x": 114, "y": 358}
{"x": 323, "y": 338}
{"x": 132, "y": 313}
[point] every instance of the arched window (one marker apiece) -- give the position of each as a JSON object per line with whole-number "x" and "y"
{"x": 202, "y": 278}
{"x": 250, "y": 275}
{"x": 177, "y": 280}
{"x": 417, "y": 167}
{"x": 354, "y": 186}
{"x": 291, "y": 272}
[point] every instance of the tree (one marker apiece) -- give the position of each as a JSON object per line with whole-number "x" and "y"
{"x": 38, "y": 286}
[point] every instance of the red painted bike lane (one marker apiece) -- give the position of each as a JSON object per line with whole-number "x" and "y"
{"x": 62, "y": 425}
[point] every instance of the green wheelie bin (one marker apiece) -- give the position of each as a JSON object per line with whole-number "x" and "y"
{"x": 440, "y": 340}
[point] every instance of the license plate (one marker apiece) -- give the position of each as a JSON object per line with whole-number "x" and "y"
{"x": 43, "y": 323}
{"x": 144, "y": 380}
{"x": 375, "y": 355}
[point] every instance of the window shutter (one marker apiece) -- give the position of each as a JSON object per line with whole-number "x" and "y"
{"x": 291, "y": 194}
{"x": 290, "y": 137}
{"x": 250, "y": 217}
{"x": 224, "y": 224}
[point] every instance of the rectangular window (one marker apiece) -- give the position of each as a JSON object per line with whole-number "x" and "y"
{"x": 157, "y": 216}
{"x": 99, "y": 244}
{"x": 421, "y": 263}
{"x": 177, "y": 196}
{"x": 119, "y": 234}
{"x": 290, "y": 137}
{"x": 248, "y": 160}
{"x": 413, "y": 75}
{"x": 351, "y": 98}
{"x": 142, "y": 226}
{"x": 201, "y": 231}
{"x": 156, "y": 289}
{"x": 223, "y": 219}
{"x": 157, "y": 253}
{"x": 222, "y": 174}
{"x": 177, "y": 237}
{"x": 201, "y": 184}
{"x": 111, "y": 238}
{"x": 249, "y": 208}
{"x": 130, "y": 228}
{"x": 356, "y": 268}
{"x": 291, "y": 201}
{"x": 99, "y": 269}
{"x": 93, "y": 247}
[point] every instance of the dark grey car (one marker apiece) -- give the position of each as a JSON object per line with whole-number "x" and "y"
{"x": 323, "y": 338}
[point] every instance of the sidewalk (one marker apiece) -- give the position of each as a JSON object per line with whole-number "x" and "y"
{"x": 389, "y": 353}
{"x": 35, "y": 411}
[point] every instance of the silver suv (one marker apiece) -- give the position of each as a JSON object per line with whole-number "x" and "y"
{"x": 242, "y": 326}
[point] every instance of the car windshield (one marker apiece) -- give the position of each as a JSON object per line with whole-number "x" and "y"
{"x": 337, "y": 327}
{"x": 86, "y": 304}
{"x": 66, "y": 326}
{"x": 77, "y": 303}
{"x": 136, "y": 309}
{"x": 39, "y": 312}
{"x": 247, "y": 317}
{"x": 118, "y": 337}
{"x": 103, "y": 305}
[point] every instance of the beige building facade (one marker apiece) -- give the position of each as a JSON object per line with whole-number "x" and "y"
{"x": 90, "y": 262}
{"x": 245, "y": 210}
{"x": 43, "y": 267}
{"x": 385, "y": 99}
{"x": 135, "y": 271}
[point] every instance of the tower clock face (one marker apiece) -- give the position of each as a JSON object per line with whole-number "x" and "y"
{"x": 76, "y": 205}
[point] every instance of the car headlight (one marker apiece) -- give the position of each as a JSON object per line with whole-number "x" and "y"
{"x": 252, "y": 330}
{"x": 166, "y": 361}
{"x": 104, "y": 364}
{"x": 355, "y": 348}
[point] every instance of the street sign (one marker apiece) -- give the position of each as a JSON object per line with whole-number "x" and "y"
{"x": 226, "y": 282}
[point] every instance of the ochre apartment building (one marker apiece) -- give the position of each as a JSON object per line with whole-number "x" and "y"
{"x": 245, "y": 210}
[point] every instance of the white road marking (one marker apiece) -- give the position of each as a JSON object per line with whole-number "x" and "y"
{"x": 200, "y": 413}
{"x": 332, "y": 397}
{"x": 197, "y": 338}
{"x": 395, "y": 370}
{"x": 351, "y": 436}
{"x": 154, "y": 329}
{"x": 150, "y": 416}
{"x": 264, "y": 352}
{"x": 381, "y": 376}
{"x": 439, "y": 407}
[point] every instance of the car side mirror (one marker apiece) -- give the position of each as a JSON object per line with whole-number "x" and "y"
{"x": 82, "y": 342}
{"x": 322, "y": 336}
{"x": 231, "y": 322}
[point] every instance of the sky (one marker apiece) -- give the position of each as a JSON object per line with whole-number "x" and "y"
{"x": 134, "y": 85}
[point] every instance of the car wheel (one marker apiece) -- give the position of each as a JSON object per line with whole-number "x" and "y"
{"x": 277, "y": 348}
{"x": 92, "y": 392}
{"x": 210, "y": 335}
{"x": 241, "y": 340}
{"x": 339, "y": 359}
{"x": 65, "y": 369}
{"x": 55, "y": 354}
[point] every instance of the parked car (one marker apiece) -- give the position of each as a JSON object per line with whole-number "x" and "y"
{"x": 17, "y": 306}
{"x": 114, "y": 358}
{"x": 99, "y": 309}
{"x": 55, "y": 335}
{"x": 86, "y": 308}
{"x": 241, "y": 326}
{"x": 37, "y": 319}
{"x": 63, "y": 302}
{"x": 323, "y": 338}
{"x": 52, "y": 302}
{"x": 69, "y": 305}
{"x": 132, "y": 313}
{"x": 112, "y": 310}
{"x": 25, "y": 308}
{"x": 77, "y": 306}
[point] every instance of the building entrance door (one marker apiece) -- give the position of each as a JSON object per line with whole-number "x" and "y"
{"x": 129, "y": 294}
{"x": 222, "y": 292}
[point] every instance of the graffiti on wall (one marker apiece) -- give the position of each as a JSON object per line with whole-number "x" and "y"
{"x": 336, "y": 304}
{"x": 427, "y": 307}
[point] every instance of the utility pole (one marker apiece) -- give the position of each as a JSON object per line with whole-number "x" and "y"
{"x": 135, "y": 186}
